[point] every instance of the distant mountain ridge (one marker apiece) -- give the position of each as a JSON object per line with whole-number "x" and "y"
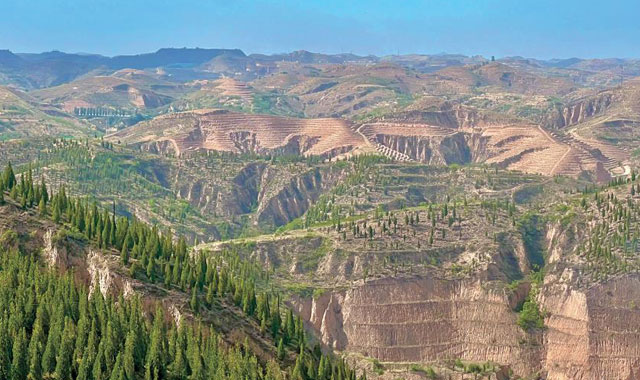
{"x": 7, "y": 58}
{"x": 39, "y": 70}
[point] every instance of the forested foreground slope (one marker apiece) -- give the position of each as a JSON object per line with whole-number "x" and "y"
{"x": 88, "y": 295}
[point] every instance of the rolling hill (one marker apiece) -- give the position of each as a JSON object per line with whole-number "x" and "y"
{"x": 123, "y": 90}
{"x": 22, "y": 116}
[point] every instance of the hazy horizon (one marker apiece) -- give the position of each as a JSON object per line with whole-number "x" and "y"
{"x": 248, "y": 53}
{"x": 540, "y": 29}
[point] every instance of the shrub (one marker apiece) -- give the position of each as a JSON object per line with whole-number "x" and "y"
{"x": 530, "y": 317}
{"x": 473, "y": 368}
{"x": 9, "y": 238}
{"x": 317, "y": 293}
{"x": 428, "y": 371}
{"x": 64, "y": 234}
{"x": 378, "y": 368}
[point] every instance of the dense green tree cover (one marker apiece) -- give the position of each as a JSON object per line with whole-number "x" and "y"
{"x": 52, "y": 328}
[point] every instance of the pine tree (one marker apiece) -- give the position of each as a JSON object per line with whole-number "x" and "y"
{"x": 275, "y": 322}
{"x": 56, "y": 212}
{"x": 151, "y": 272}
{"x": 98, "y": 364}
{"x": 5, "y": 350}
{"x": 118, "y": 372}
{"x": 42, "y": 207}
{"x": 53, "y": 341}
{"x": 86, "y": 364}
{"x": 155, "y": 365}
{"x": 195, "y": 305}
{"x": 124, "y": 255}
{"x": 289, "y": 326}
{"x": 128, "y": 361}
{"x": 82, "y": 334}
{"x": 9, "y": 177}
{"x": 195, "y": 360}
{"x": 63, "y": 362}
{"x": 179, "y": 365}
{"x": 299, "y": 330}
{"x": 31, "y": 197}
{"x": 19, "y": 363}
{"x": 106, "y": 233}
{"x": 311, "y": 372}
{"x": 281, "y": 352}
{"x": 110, "y": 349}
{"x": 35, "y": 351}
{"x": 273, "y": 371}
{"x": 299, "y": 371}
{"x": 323, "y": 368}
{"x": 44, "y": 194}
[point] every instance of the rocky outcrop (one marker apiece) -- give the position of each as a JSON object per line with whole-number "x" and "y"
{"x": 166, "y": 147}
{"x": 275, "y": 195}
{"x": 176, "y": 314}
{"x": 434, "y": 150}
{"x": 424, "y": 319}
{"x": 324, "y": 314}
{"x": 54, "y": 255}
{"x": 590, "y": 327}
{"x": 101, "y": 277}
{"x": 219, "y": 196}
{"x": 579, "y": 111}
{"x": 202, "y": 194}
{"x": 293, "y": 200}
{"x": 246, "y": 186}
{"x": 591, "y": 333}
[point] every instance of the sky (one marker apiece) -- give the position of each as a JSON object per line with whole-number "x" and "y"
{"x": 537, "y": 29}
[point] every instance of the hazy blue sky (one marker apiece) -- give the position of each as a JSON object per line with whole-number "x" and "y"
{"x": 540, "y": 28}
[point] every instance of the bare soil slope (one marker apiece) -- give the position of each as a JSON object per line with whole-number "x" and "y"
{"x": 242, "y": 133}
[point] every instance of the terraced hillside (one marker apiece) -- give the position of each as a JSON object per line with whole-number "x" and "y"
{"x": 522, "y": 147}
{"x": 231, "y": 87}
{"x": 225, "y": 92}
{"x": 526, "y": 148}
{"x": 220, "y": 130}
{"x": 494, "y": 113}
{"x": 443, "y": 244}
